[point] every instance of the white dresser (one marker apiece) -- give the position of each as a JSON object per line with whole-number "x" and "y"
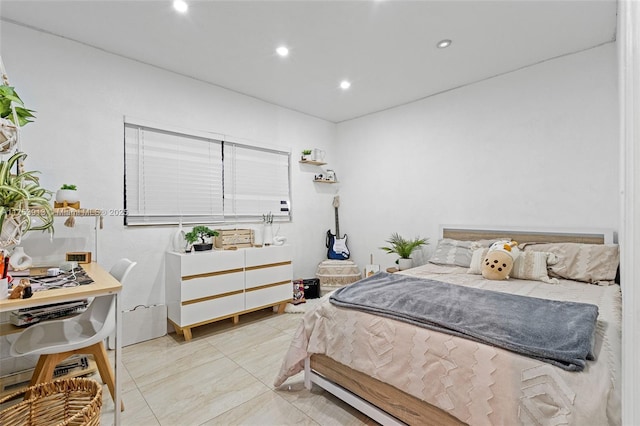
{"x": 203, "y": 287}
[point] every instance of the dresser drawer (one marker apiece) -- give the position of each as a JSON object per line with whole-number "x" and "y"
{"x": 207, "y": 310}
{"x": 266, "y": 296}
{"x": 211, "y": 285}
{"x": 267, "y": 255}
{"x": 257, "y": 276}
{"x": 211, "y": 261}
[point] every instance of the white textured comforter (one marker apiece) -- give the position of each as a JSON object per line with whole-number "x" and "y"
{"x": 478, "y": 384}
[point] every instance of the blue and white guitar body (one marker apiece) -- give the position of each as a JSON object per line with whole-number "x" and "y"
{"x": 336, "y": 247}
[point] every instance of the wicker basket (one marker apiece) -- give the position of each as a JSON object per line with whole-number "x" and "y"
{"x": 61, "y": 402}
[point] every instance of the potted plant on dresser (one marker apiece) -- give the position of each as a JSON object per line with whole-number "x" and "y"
{"x": 200, "y": 232}
{"x": 404, "y": 248}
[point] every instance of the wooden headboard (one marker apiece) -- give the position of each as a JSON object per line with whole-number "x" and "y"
{"x": 467, "y": 233}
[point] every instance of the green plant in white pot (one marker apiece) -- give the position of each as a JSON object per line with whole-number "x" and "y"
{"x": 24, "y": 204}
{"x": 67, "y": 193}
{"x": 404, "y": 248}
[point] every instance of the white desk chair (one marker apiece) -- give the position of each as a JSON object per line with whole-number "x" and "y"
{"x": 57, "y": 340}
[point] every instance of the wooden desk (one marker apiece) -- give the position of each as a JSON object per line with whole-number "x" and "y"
{"x": 103, "y": 284}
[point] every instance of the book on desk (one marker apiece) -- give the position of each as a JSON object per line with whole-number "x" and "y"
{"x": 30, "y": 316}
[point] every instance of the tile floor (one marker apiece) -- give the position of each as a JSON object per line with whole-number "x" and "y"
{"x": 223, "y": 376}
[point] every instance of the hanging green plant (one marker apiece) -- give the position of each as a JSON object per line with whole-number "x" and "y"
{"x": 24, "y": 204}
{"x": 13, "y": 115}
{"x": 8, "y": 99}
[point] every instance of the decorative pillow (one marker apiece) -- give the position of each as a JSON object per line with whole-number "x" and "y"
{"x": 478, "y": 255}
{"x": 591, "y": 263}
{"x": 527, "y": 266}
{"x": 532, "y": 265}
{"x": 454, "y": 252}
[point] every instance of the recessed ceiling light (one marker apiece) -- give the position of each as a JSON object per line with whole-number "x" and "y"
{"x": 443, "y": 43}
{"x": 180, "y": 5}
{"x": 282, "y": 51}
{"x": 344, "y": 84}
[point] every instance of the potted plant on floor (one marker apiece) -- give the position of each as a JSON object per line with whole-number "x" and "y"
{"x": 24, "y": 204}
{"x": 404, "y": 248}
{"x": 200, "y": 232}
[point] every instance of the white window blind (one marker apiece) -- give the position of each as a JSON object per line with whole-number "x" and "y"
{"x": 171, "y": 176}
{"x": 256, "y": 182}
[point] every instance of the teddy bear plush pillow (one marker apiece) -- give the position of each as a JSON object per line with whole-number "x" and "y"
{"x": 498, "y": 261}
{"x": 526, "y": 266}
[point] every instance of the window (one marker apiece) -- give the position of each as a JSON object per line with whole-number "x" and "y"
{"x": 172, "y": 176}
{"x": 256, "y": 182}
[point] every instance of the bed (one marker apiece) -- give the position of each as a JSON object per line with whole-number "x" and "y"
{"x": 399, "y": 373}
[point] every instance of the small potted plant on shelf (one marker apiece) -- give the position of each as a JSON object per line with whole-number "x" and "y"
{"x": 306, "y": 155}
{"x": 201, "y": 232}
{"x": 404, "y": 248}
{"x": 67, "y": 194}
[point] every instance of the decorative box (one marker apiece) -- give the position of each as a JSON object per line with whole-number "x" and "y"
{"x": 239, "y": 238}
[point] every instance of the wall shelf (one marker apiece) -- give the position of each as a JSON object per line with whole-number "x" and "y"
{"x": 319, "y": 163}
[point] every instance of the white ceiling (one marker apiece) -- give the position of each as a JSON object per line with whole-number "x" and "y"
{"x": 387, "y": 49}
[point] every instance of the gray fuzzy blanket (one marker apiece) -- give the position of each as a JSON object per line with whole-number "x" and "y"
{"x": 560, "y": 333}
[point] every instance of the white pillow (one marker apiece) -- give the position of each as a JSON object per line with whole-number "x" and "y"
{"x": 456, "y": 252}
{"x": 591, "y": 263}
{"x": 477, "y": 257}
{"x": 532, "y": 265}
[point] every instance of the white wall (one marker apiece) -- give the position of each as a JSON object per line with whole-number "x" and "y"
{"x": 81, "y": 95}
{"x": 535, "y": 147}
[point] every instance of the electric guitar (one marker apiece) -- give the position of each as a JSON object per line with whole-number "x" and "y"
{"x": 337, "y": 247}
